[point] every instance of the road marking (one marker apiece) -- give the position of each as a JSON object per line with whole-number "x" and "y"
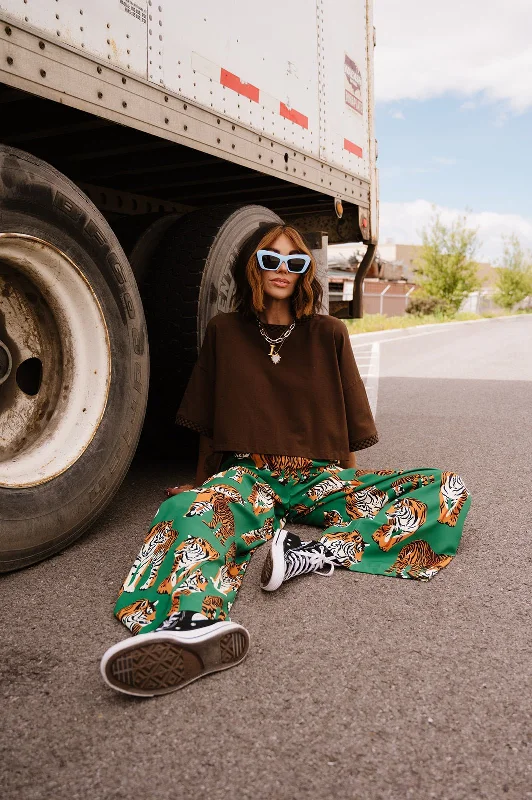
{"x": 367, "y": 357}
{"x": 372, "y": 380}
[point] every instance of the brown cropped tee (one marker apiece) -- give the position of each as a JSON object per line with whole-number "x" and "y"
{"x": 311, "y": 404}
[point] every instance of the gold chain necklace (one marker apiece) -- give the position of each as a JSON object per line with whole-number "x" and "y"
{"x": 275, "y": 344}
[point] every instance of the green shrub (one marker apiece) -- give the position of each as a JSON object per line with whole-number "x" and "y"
{"x": 421, "y": 305}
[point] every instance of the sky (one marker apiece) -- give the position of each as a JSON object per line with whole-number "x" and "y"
{"x": 453, "y": 85}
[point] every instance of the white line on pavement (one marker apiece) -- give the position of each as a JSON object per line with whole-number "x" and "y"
{"x": 372, "y": 378}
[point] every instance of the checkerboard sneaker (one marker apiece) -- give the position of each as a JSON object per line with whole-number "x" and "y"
{"x": 289, "y": 556}
{"x": 161, "y": 662}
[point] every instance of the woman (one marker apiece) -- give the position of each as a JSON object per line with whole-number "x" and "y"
{"x": 281, "y": 410}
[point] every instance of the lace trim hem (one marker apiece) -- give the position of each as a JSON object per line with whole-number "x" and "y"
{"x": 363, "y": 443}
{"x": 194, "y": 426}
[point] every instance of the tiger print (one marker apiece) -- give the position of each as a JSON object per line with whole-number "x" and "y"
{"x": 260, "y": 534}
{"x": 195, "y": 582}
{"x": 137, "y": 615}
{"x": 189, "y": 555}
{"x": 289, "y": 465}
{"x": 229, "y": 576}
{"x": 301, "y": 510}
{"x": 239, "y": 472}
{"x": 453, "y": 494}
{"x": 360, "y": 472}
{"x": 325, "y": 488}
{"x": 284, "y": 467}
{"x": 156, "y": 545}
{"x": 211, "y": 605}
{"x": 416, "y": 480}
{"x": 418, "y": 560}
{"x": 405, "y": 517}
{"x": 216, "y": 499}
{"x": 334, "y": 518}
{"x": 347, "y": 547}
{"x": 263, "y": 498}
{"x": 365, "y": 502}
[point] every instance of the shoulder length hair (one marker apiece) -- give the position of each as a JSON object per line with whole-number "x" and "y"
{"x": 249, "y": 296}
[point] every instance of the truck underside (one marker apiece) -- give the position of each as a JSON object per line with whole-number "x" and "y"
{"x": 127, "y": 172}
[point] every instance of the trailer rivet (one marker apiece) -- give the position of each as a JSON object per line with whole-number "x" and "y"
{"x": 8, "y": 30}
{"x": 9, "y": 60}
{"x": 124, "y": 104}
{"x": 185, "y": 127}
{"x": 42, "y": 45}
{"x": 99, "y": 70}
{"x": 233, "y": 146}
{"x": 218, "y": 141}
{"x": 166, "y": 120}
{"x": 43, "y": 73}
{"x": 124, "y": 80}
{"x": 166, "y": 98}
{"x": 100, "y": 95}
{"x": 185, "y": 106}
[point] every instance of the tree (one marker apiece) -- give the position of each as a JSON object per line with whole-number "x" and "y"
{"x": 446, "y": 268}
{"x": 514, "y": 281}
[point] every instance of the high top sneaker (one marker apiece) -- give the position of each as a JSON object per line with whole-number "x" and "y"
{"x": 289, "y": 556}
{"x": 188, "y": 647}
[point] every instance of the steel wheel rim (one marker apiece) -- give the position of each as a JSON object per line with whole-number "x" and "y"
{"x": 50, "y": 321}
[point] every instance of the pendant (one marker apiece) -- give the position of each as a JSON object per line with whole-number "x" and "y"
{"x": 275, "y": 357}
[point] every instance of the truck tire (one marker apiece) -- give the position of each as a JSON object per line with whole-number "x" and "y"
{"x": 73, "y": 361}
{"x": 187, "y": 279}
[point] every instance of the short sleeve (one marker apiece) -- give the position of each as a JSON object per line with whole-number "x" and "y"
{"x": 360, "y": 422}
{"x": 196, "y": 410}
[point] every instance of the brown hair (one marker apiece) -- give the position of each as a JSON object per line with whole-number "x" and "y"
{"x": 307, "y": 297}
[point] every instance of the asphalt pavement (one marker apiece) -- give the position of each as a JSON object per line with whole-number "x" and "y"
{"x": 356, "y": 686}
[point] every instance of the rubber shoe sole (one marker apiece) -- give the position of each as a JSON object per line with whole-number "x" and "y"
{"x": 273, "y": 570}
{"x": 158, "y": 663}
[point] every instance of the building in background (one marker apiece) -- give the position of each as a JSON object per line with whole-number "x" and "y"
{"x": 391, "y": 280}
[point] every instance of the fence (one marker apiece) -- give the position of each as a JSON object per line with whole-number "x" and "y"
{"x": 389, "y": 298}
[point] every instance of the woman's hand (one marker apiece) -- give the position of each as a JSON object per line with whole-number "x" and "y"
{"x": 172, "y": 490}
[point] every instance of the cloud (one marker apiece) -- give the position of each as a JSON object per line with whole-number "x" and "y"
{"x": 476, "y": 48}
{"x": 403, "y": 222}
{"x": 397, "y": 114}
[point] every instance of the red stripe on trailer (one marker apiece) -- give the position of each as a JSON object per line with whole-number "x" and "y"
{"x": 352, "y": 148}
{"x": 293, "y": 115}
{"x": 233, "y": 82}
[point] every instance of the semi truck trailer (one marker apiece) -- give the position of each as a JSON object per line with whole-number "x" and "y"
{"x": 141, "y": 143}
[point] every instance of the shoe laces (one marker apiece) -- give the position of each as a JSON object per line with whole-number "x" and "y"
{"x": 307, "y": 558}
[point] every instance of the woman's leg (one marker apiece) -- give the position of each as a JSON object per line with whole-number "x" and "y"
{"x": 196, "y": 552}
{"x": 402, "y": 523}
{"x": 184, "y": 581}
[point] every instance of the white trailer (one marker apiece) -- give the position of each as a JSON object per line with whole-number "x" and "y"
{"x": 141, "y": 142}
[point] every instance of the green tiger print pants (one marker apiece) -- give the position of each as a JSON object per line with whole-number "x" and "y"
{"x": 404, "y": 523}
